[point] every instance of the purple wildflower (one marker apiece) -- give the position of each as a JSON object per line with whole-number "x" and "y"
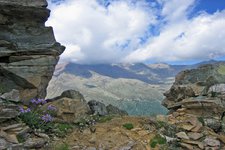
{"x": 47, "y": 118}
{"x": 51, "y": 107}
{"x": 24, "y": 109}
{"x": 33, "y": 101}
{"x": 28, "y": 110}
{"x": 21, "y": 110}
{"x": 38, "y": 101}
{"x": 43, "y": 101}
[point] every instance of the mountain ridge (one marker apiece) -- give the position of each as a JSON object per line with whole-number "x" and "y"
{"x": 132, "y": 87}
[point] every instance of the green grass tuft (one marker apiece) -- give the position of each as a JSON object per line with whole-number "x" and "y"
{"x": 128, "y": 126}
{"x": 158, "y": 139}
{"x": 63, "y": 146}
{"x": 105, "y": 119}
{"x": 61, "y": 129}
{"x": 201, "y": 119}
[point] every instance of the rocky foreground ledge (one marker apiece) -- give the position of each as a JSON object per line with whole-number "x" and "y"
{"x": 28, "y": 49}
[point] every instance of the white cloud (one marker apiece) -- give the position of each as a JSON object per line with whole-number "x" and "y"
{"x": 93, "y": 33}
{"x": 99, "y": 32}
{"x": 176, "y": 10}
{"x": 202, "y": 37}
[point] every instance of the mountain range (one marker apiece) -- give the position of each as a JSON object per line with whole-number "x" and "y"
{"x": 137, "y": 88}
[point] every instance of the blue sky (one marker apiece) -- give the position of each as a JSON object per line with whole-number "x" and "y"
{"x": 130, "y": 31}
{"x": 210, "y": 6}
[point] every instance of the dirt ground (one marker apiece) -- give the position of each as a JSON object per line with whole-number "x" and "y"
{"x": 111, "y": 135}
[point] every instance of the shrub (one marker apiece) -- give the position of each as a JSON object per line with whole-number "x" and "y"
{"x": 128, "y": 126}
{"x": 160, "y": 124}
{"x": 61, "y": 129}
{"x": 158, "y": 139}
{"x": 2, "y": 89}
{"x": 201, "y": 119}
{"x": 20, "y": 138}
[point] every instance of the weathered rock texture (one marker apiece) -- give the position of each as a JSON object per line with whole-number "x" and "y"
{"x": 197, "y": 104}
{"x": 71, "y": 106}
{"x": 197, "y": 88}
{"x": 28, "y": 49}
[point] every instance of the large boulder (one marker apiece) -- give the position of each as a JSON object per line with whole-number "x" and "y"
{"x": 73, "y": 94}
{"x": 70, "y": 106}
{"x": 97, "y": 108}
{"x": 28, "y": 49}
{"x": 113, "y": 110}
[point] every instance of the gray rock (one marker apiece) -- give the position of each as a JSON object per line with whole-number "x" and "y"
{"x": 31, "y": 3}
{"x": 69, "y": 110}
{"x": 28, "y": 49}
{"x": 11, "y": 138}
{"x": 42, "y": 135}
{"x": 211, "y": 142}
{"x": 24, "y": 132}
{"x": 97, "y": 108}
{"x": 34, "y": 143}
{"x": 128, "y": 146}
{"x": 214, "y": 124}
{"x": 112, "y": 110}
{"x": 70, "y": 94}
{"x": 182, "y": 135}
{"x": 8, "y": 111}
{"x": 194, "y": 82}
{"x": 194, "y": 135}
{"x": 13, "y": 95}
{"x": 16, "y": 147}
{"x": 216, "y": 89}
{"x": 3, "y": 143}
{"x": 9, "y": 127}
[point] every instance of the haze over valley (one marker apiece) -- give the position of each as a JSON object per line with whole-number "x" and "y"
{"x": 137, "y": 88}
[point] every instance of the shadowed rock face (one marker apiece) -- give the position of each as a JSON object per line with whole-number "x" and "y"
{"x": 28, "y": 49}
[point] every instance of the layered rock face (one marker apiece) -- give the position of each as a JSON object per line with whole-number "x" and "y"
{"x": 201, "y": 87}
{"x": 197, "y": 106}
{"x": 28, "y": 49}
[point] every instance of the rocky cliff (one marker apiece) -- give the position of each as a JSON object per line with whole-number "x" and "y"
{"x": 28, "y": 49}
{"x": 197, "y": 85}
{"x": 196, "y": 102}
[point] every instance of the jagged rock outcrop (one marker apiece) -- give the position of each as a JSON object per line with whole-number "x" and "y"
{"x": 28, "y": 49}
{"x": 197, "y": 88}
{"x": 196, "y": 102}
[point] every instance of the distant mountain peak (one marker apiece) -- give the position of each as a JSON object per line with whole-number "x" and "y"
{"x": 159, "y": 66}
{"x": 210, "y": 61}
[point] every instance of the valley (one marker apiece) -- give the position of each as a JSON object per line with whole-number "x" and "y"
{"x": 135, "y": 88}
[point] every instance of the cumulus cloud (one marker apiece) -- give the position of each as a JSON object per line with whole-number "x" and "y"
{"x": 202, "y": 37}
{"x": 102, "y": 34}
{"x": 124, "y": 31}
